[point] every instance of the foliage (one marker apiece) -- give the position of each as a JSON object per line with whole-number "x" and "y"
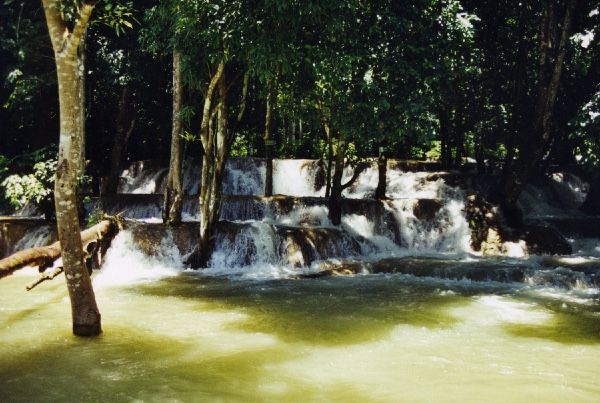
{"x": 96, "y": 215}
{"x": 36, "y": 183}
{"x": 586, "y": 129}
{"x": 460, "y": 75}
{"x": 37, "y": 187}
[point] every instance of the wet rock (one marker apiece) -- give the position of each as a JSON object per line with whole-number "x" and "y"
{"x": 303, "y": 246}
{"x": 426, "y": 209}
{"x": 545, "y": 241}
{"x": 335, "y": 268}
{"x": 484, "y": 224}
{"x": 150, "y": 236}
{"x": 512, "y": 214}
{"x": 490, "y": 233}
{"x": 451, "y": 269}
{"x": 574, "y": 227}
{"x": 379, "y": 213}
{"x": 414, "y": 165}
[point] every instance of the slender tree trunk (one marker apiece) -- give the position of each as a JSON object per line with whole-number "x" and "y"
{"x": 216, "y": 141}
{"x": 215, "y": 156}
{"x": 458, "y": 132}
{"x": 174, "y": 188}
{"x": 85, "y": 313}
{"x": 335, "y": 199}
{"x": 382, "y": 179}
{"x": 330, "y": 153}
{"x": 337, "y": 187}
{"x": 268, "y": 145}
{"x": 125, "y": 125}
{"x": 516, "y": 121}
{"x": 446, "y": 150}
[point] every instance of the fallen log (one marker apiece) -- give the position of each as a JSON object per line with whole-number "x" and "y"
{"x": 45, "y": 256}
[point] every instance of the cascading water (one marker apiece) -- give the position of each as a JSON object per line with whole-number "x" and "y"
{"x": 416, "y": 317}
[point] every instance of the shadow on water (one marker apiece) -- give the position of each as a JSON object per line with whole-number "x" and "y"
{"x": 328, "y": 312}
{"x": 116, "y": 367}
{"x": 348, "y": 310}
{"x": 571, "y": 323}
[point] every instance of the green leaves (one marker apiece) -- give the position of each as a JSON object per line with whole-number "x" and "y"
{"x": 20, "y": 189}
{"x": 116, "y": 15}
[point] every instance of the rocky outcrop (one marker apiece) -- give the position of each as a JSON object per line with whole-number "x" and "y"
{"x": 492, "y": 235}
{"x": 301, "y": 247}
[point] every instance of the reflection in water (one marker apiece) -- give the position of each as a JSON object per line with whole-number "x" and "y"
{"x": 363, "y": 338}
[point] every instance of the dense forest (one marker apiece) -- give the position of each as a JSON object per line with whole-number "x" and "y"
{"x": 426, "y": 79}
{"x": 510, "y": 87}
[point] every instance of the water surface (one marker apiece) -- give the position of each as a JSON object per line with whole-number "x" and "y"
{"x": 373, "y": 338}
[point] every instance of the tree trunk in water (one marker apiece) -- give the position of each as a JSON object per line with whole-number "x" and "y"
{"x": 216, "y": 141}
{"x": 125, "y": 126}
{"x": 382, "y": 180}
{"x": 209, "y": 195}
{"x": 215, "y": 157}
{"x": 268, "y": 144}
{"x": 335, "y": 198}
{"x": 174, "y": 188}
{"x": 330, "y": 153}
{"x": 85, "y": 313}
{"x": 549, "y": 79}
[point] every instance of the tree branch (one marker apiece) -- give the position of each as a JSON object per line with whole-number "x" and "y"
{"x": 359, "y": 169}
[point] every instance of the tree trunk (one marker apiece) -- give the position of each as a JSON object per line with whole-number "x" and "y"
{"x": 446, "y": 150}
{"x": 335, "y": 198}
{"x": 124, "y": 128}
{"x": 382, "y": 179}
{"x": 174, "y": 188}
{"x": 216, "y": 140}
{"x": 85, "y": 313}
{"x": 45, "y": 256}
{"x": 549, "y": 79}
{"x": 215, "y": 156}
{"x": 268, "y": 142}
{"x": 518, "y": 107}
{"x": 209, "y": 208}
{"x": 330, "y": 153}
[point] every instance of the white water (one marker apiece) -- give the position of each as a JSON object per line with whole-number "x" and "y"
{"x": 126, "y": 264}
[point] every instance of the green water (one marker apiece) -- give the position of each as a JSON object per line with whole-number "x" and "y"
{"x": 355, "y": 339}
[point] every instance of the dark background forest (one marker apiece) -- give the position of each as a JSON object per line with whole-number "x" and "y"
{"x": 438, "y": 79}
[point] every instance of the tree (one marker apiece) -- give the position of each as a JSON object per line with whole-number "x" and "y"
{"x": 66, "y": 28}
{"x": 174, "y": 188}
{"x": 553, "y": 44}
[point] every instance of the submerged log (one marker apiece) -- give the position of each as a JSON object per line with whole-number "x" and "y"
{"x": 45, "y": 256}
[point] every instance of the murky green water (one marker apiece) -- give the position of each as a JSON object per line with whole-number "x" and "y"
{"x": 366, "y": 339}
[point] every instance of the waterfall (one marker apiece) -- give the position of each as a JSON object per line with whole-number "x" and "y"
{"x": 244, "y": 176}
{"x": 299, "y": 178}
{"x": 290, "y": 233}
{"x": 127, "y": 263}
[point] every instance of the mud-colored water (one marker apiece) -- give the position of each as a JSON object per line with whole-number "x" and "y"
{"x": 183, "y": 337}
